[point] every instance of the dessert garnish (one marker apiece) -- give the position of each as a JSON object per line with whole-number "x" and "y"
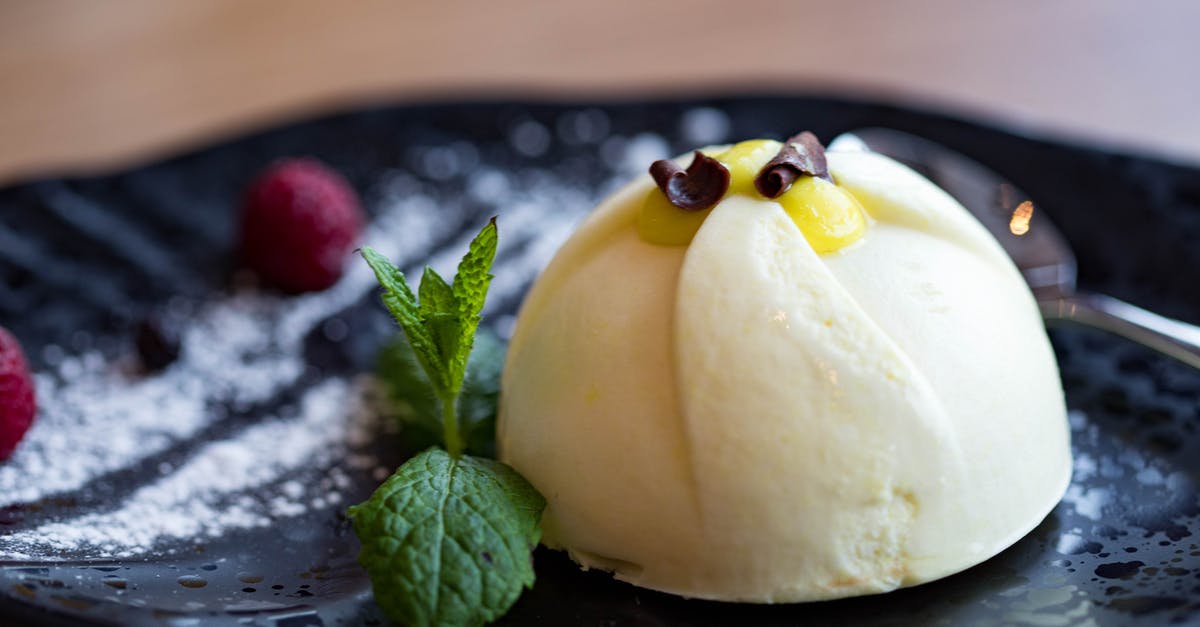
{"x": 792, "y": 173}
{"x": 697, "y": 188}
{"x": 300, "y": 221}
{"x": 447, "y": 539}
{"x": 777, "y": 176}
{"x": 18, "y": 403}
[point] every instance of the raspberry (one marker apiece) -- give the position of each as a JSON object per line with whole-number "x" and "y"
{"x": 17, "y": 404}
{"x": 300, "y": 221}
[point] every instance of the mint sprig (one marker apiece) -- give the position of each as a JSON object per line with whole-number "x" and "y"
{"x": 446, "y": 540}
{"x": 441, "y": 326}
{"x": 410, "y": 399}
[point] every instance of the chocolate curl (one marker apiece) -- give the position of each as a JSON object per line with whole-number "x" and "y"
{"x": 790, "y": 163}
{"x": 699, "y": 187}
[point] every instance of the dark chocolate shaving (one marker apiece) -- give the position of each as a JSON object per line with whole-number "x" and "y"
{"x": 699, "y": 187}
{"x": 792, "y": 162}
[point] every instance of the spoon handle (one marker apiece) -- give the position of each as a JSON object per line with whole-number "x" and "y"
{"x": 1169, "y": 337}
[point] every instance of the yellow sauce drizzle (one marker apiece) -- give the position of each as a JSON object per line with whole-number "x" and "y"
{"x": 829, "y": 217}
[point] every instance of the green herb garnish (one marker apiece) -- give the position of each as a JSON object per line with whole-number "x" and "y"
{"x": 410, "y": 397}
{"x": 446, "y": 540}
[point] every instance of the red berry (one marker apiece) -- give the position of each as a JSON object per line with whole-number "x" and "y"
{"x": 17, "y": 403}
{"x": 300, "y": 220}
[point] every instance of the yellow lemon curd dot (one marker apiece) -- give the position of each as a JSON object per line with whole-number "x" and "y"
{"x": 829, "y": 217}
{"x": 744, "y": 161}
{"x": 664, "y": 224}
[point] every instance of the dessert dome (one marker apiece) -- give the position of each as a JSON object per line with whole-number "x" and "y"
{"x": 770, "y": 374}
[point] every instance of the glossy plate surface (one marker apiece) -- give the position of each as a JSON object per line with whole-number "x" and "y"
{"x": 84, "y": 261}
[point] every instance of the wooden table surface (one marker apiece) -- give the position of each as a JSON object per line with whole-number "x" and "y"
{"x": 92, "y": 86}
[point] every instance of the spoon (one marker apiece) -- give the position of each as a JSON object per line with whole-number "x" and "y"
{"x": 1031, "y": 239}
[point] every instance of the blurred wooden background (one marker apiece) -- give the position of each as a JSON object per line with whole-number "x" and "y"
{"x": 90, "y": 86}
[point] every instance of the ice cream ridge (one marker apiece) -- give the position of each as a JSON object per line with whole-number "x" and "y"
{"x": 771, "y": 374}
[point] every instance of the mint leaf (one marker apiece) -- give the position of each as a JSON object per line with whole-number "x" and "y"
{"x": 411, "y": 399}
{"x": 439, "y": 311}
{"x": 402, "y": 303}
{"x": 481, "y": 394}
{"x": 441, "y": 327}
{"x": 471, "y": 283}
{"x": 447, "y": 540}
{"x": 436, "y": 295}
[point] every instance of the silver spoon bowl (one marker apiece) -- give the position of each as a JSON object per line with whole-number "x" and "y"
{"x": 1031, "y": 239}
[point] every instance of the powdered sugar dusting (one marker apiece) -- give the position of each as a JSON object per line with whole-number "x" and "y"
{"x": 205, "y": 496}
{"x": 234, "y": 466}
{"x": 239, "y": 350}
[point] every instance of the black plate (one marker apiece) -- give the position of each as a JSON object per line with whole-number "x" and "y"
{"x": 83, "y": 260}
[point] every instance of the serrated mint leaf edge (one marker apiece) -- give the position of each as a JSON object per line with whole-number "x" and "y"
{"x": 472, "y": 279}
{"x": 523, "y": 501}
